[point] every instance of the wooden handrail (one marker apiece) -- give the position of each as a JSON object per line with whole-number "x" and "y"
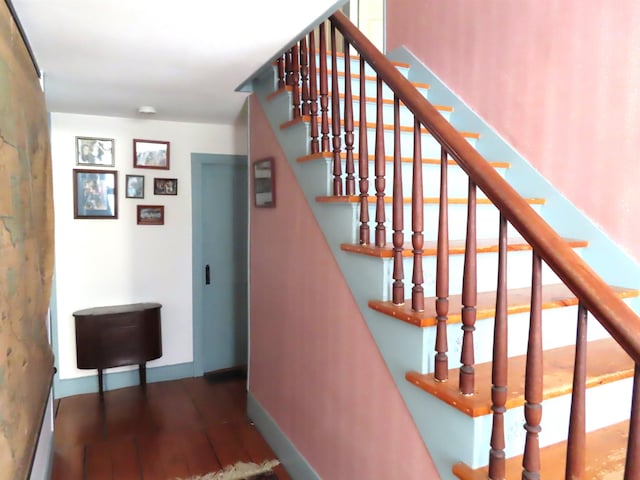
{"x": 615, "y": 315}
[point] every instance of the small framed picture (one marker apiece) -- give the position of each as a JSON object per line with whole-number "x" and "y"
{"x": 135, "y": 186}
{"x": 263, "y": 183}
{"x": 95, "y": 151}
{"x": 151, "y": 154}
{"x": 165, "y": 186}
{"x": 95, "y": 194}
{"x": 150, "y": 214}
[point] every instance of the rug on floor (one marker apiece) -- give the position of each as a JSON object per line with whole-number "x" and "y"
{"x": 242, "y": 471}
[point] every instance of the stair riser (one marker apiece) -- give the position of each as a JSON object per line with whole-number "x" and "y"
{"x": 371, "y": 88}
{"x": 558, "y": 323}
{"x": 487, "y": 221}
{"x": 519, "y": 273}
{"x": 406, "y": 117}
{"x": 430, "y": 147}
{"x": 355, "y": 65}
{"x": 555, "y": 419}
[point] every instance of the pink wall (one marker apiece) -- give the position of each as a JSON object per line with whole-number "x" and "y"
{"x": 559, "y": 79}
{"x": 314, "y": 365}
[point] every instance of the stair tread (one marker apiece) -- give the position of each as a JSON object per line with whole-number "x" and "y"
{"x": 605, "y": 450}
{"x": 456, "y": 247}
{"x": 407, "y": 200}
{"x": 373, "y": 78}
{"x": 518, "y": 300}
{"x": 606, "y": 363}
{"x": 388, "y": 159}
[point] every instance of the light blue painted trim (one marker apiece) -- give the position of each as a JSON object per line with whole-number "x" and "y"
{"x": 246, "y": 85}
{"x": 129, "y": 378}
{"x": 296, "y": 465}
{"x": 607, "y": 258}
{"x": 198, "y": 160}
{"x": 53, "y": 318}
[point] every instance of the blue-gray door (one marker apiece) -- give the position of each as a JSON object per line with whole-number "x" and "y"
{"x": 223, "y": 264}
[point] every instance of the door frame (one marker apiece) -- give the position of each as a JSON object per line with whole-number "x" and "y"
{"x": 198, "y": 162}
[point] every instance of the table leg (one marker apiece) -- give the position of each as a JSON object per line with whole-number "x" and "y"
{"x": 143, "y": 374}
{"x": 100, "y": 384}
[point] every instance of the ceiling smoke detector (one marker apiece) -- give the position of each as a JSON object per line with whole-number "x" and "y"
{"x": 146, "y": 110}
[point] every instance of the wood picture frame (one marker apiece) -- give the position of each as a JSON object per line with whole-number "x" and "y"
{"x": 151, "y": 154}
{"x": 93, "y": 151}
{"x": 95, "y": 194}
{"x": 165, "y": 186}
{"x": 150, "y": 214}
{"x": 264, "y": 194}
{"x": 134, "y": 187}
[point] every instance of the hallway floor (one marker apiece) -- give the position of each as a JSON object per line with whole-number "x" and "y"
{"x": 178, "y": 429}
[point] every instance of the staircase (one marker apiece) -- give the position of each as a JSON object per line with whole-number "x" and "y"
{"x": 482, "y": 332}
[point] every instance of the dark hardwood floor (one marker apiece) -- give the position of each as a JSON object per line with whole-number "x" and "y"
{"x": 176, "y": 430}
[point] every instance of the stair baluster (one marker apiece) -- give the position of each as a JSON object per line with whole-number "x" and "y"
{"x": 350, "y": 182}
{"x": 281, "y": 71}
{"x": 335, "y": 117}
{"x": 632, "y": 463}
{"x": 441, "y": 367}
{"x": 577, "y": 439}
{"x": 313, "y": 93}
{"x": 295, "y": 80}
{"x": 380, "y": 162}
{"x": 324, "y": 89}
{"x": 499, "y": 368}
{"x": 363, "y": 162}
{"x": 398, "y": 209}
{"x": 469, "y": 297}
{"x": 533, "y": 378}
{"x": 304, "y": 75}
{"x": 417, "y": 220}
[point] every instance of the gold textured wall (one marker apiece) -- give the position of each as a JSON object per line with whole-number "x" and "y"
{"x": 26, "y": 253}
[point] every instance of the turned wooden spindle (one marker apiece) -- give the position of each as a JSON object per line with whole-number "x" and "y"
{"x": 313, "y": 93}
{"x": 304, "y": 75}
{"x": 380, "y": 165}
{"x": 533, "y": 378}
{"x": 441, "y": 367}
{"x": 469, "y": 297}
{"x": 499, "y": 368}
{"x": 335, "y": 117}
{"x": 632, "y": 464}
{"x": 577, "y": 438}
{"x": 295, "y": 82}
{"x": 324, "y": 90}
{"x": 363, "y": 162}
{"x": 417, "y": 221}
{"x": 350, "y": 181}
{"x": 398, "y": 209}
{"x": 288, "y": 68}
{"x": 281, "y": 78}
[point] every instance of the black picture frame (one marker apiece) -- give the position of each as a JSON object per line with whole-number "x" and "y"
{"x": 95, "y": 194}
{"x": 165, "y": 186}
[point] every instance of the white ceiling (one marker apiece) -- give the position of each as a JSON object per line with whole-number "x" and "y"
{"x": 184, "y": 57}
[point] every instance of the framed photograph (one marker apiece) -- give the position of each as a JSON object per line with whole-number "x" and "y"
{"x": 150, "y": 154}
{"x": 150, "y": 215}
{"x": 165, "y": 186}
{"x": 263, "y": 183}
{"x": 95, "y": 151}
{"x": 95, "y": 193}
{"x": 135, "y": 186}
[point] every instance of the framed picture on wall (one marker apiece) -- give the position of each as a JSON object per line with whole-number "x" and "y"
{"x": 165, "y": 186}
{"x": 135, "y": 186}
{"x": 151, "y": 154}
{"x": 95, "y": 151}
{"x": 150, "y": 214}
{"x": 263, "y": 183}
{"x": 95, "y": 194}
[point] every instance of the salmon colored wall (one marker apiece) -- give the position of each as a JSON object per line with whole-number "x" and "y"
{"x": 559, "y": 79}
{"x": 314, "y": 365}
